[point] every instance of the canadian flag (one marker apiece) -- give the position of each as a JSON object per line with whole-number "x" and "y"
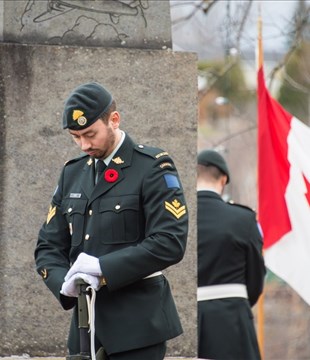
{"x": 284, "y": 191}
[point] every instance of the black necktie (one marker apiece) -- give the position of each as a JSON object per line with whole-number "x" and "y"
{"x": 100, "y": 167}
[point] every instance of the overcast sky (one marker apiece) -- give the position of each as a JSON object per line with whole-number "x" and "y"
{"x": 208, "y": 35}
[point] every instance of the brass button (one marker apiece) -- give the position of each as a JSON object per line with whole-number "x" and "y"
{"x": 87, "y": 236}
{"x": 69, "y": 210}
{"x": 90, "y": 212}
{"x": 141, "y": 146}
{"x": 117, "y": 207}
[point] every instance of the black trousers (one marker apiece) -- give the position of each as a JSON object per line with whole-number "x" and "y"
{"x": 226, "y": 330}
{"x": 154, "y": 352}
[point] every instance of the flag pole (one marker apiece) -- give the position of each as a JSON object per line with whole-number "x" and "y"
{"x": 260, "y": 303}
{"x": 260, "y": 55}
{"x": 260, "y": 325}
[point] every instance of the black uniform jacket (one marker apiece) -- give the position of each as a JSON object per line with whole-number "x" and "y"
{"x": 135, "y": 220}
{"x": 229, "y": 252}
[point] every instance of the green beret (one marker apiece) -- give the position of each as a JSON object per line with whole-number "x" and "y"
{"x": 211, "y": 157}
{"x": 86, "y": 104}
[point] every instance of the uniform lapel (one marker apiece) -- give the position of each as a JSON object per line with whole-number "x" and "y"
{"x": 121, "y": 160}
{"x": 87, "y": 177}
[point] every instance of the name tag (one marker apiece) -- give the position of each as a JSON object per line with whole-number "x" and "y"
{"x": 75, "y": 195}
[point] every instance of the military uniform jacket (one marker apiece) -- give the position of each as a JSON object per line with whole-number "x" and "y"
{"x": 135, "y": 221}
{"x": 229, "y": 252}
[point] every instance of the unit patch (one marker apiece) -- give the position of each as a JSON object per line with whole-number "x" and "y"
{"x": 175, "y": 208}
{"x": 51, "y": 214}
{"x": 172, "y": 181}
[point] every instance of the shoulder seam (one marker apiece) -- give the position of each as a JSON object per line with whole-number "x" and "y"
{"x": 153, "y": 152}
{"x": 82, "y": 156}
{"x": 241, "y": 206}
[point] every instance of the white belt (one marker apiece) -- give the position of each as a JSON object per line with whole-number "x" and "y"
{"x": 221, "y": 291}
{"x": 157, "y": 273}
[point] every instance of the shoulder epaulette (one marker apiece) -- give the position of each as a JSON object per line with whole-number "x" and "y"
{"x": 80, "y": 157}
{"x": 231, "y": 202}
{"x": 155, "y": 153}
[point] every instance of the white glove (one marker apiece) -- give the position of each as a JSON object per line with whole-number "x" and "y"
{"x": 86, "y": 264}
{"x": 70, "y": 288}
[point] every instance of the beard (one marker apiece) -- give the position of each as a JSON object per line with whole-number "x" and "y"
{"x": 108, "y": 147}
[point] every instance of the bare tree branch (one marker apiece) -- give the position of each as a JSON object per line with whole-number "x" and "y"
{"x": 300, "y": 26}
{"x": 295, "y": 84}
{"x": 216, "y": 76}
{"x": 207, "y": 5}
{"x": 204, "y": 5}
{"x": 231, "y": 136}
{"x": 242, "y": 23}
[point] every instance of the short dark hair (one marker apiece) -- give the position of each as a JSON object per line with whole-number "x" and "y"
{"x": 106, "y": 115}
{"x": 210, "y": 172}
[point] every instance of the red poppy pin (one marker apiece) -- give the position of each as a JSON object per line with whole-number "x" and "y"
{"x": 111, "y": 175}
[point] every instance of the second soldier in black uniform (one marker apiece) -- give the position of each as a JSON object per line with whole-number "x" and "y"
{"x": 230, "y": 267}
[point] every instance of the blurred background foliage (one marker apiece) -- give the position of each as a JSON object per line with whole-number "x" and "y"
{"x": 294, "y": 93}
{"x": 224, "y": 36}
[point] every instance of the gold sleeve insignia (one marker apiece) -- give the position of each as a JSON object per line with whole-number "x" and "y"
{"x": 175, "y": 208}
{"x": 51, "y": 214}
{"x": 102, "y": 281}
{"x": 44, "y": 273}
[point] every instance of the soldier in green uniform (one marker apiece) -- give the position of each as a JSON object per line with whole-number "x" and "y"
{"x": 117, "y": 219}
{"x": 231, "y": 268}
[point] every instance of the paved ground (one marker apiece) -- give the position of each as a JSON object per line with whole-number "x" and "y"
{"x": 58, "y": 358}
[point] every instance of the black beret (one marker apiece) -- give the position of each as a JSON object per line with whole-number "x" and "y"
{"x": 212, "y": 157}
{"x": 85, "y": 105}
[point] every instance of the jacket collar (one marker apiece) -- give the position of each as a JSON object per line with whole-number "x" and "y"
{"x": 121, "y": 160}
{"x": 209, "y": 194}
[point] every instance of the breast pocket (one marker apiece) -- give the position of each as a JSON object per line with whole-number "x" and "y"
{"x": 74, "y": 210}
{"x": 119, "y": 219}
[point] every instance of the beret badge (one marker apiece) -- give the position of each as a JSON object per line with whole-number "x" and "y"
{"x": 78, "y": 116}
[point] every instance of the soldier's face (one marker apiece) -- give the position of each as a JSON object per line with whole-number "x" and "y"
{"x": 99, "y": 139}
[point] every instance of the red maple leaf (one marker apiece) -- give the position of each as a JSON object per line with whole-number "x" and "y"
{"x": 307, "y": 194}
